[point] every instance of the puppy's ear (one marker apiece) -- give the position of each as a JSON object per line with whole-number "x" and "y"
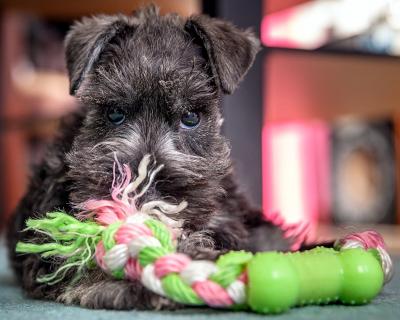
{"x": 85, "y": 42}
{"x": 230, "y": 51}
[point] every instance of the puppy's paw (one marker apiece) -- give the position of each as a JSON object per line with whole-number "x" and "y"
{"x": 199, "y": 246}
{"x": 117, "y": 295}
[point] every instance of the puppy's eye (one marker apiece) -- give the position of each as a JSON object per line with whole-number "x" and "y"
{"x": 190, "y": 120}
{"x": 116, "y": 116}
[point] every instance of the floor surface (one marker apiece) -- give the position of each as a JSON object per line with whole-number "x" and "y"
{"x": 13, "y": 306}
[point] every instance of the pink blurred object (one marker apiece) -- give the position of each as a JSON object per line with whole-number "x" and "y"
{"x": 303, "y": 26}
{"x": 296, "y": 172}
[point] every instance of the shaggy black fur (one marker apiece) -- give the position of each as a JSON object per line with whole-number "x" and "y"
{"x": 154, "y": 69}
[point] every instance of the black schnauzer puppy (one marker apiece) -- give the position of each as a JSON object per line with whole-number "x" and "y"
{"x": 147, "y": 84}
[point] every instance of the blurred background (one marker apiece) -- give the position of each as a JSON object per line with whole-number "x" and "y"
{"x": 315, "y": 126}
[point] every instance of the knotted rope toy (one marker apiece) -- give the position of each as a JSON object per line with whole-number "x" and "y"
{"x": 139, "y": 244}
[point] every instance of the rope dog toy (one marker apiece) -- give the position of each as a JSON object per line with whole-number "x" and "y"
{"x": 139, "y": 245}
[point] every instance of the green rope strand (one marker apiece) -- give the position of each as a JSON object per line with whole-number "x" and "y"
{"x": 74, "y": 242}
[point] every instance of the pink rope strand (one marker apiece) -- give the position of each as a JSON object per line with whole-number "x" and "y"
{"x": 172, "y": 263}
{"x": 212, "y": 293}
{"x": 368, "y": 239}
{"x": 296, "y": 232}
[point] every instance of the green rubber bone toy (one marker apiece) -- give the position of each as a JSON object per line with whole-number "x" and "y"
{"x": 129, "y": 243}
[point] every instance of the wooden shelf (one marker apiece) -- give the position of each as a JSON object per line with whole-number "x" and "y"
{"x": 302, "y": 85}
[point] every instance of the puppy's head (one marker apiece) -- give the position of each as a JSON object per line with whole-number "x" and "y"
{"x": 151, "y": 84}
